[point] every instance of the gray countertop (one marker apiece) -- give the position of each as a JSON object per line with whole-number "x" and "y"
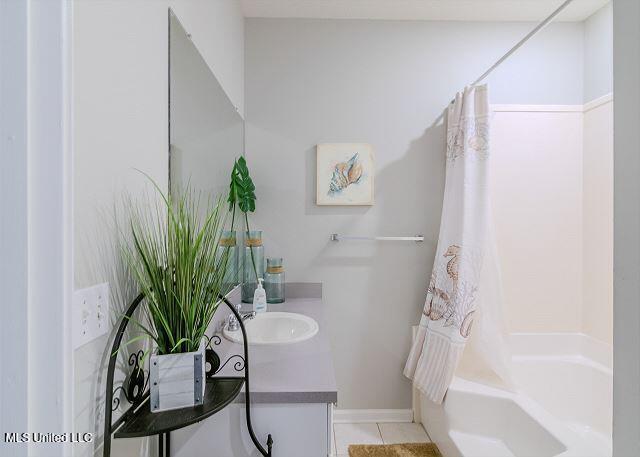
{"x": 294, "y": 373}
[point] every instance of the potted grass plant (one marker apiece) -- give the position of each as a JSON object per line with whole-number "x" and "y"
{"x": 172, "y": 252}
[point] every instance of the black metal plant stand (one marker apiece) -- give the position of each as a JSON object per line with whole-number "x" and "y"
{"x": 139, "y": 421}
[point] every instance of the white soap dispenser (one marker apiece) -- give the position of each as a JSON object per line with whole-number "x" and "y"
{"x": 260, "y": 298}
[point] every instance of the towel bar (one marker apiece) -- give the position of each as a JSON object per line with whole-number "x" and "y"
{"x": 337, "y": 237}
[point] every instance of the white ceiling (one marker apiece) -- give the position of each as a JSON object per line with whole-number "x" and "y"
{"x": 434, "y": 10}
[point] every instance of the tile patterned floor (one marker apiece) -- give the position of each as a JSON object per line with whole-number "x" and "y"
{"x": 372, "y": 433}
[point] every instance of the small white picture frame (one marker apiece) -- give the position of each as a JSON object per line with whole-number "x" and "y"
{"x": 344, "y": 174}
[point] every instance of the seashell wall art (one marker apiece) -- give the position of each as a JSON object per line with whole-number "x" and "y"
{"x": 345, "y": 173}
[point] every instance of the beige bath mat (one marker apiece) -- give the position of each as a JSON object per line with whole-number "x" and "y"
{"x": 394, "y": 450}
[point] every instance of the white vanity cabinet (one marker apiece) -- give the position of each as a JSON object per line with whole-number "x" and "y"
{"x": 293, "y": 389}
{"x": 297, "y": 429}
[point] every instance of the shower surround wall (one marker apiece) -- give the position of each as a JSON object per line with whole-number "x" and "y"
{"x": 385, "y": 83}
{"x": 536, "y": 177}
{"x": 552, "y": 177}
{"x": 598, "y": 176}
{"x": 597, "y": 218}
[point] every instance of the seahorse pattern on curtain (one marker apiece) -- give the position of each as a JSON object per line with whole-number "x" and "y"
{"x": 452, "y": 294}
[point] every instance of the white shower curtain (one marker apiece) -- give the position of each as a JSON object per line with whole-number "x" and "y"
{"x": 454, "y": 294}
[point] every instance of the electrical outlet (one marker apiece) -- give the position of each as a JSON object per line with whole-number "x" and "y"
{"x": 91, "y": 313}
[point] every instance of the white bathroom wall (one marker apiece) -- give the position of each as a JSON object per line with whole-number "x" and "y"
{"x": 120, "y": 104}
{"x": 536, "y": 177}
{"x": 120, "y": 123}
{"x": 597, "y": 317}
{"x": 120, "y": 87}
{"x": 386, "y": 83}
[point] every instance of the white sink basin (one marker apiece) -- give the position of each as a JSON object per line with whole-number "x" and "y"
{"x": 275, "y": 328}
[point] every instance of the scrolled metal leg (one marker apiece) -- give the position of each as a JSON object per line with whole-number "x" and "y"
{"x": 247, "y": 390}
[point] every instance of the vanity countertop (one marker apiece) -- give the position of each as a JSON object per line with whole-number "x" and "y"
{"x": 291, "y": 373}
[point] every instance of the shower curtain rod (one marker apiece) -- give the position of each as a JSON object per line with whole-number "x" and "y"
{"x": 539, "y": 27}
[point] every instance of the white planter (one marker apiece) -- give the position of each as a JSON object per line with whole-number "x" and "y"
{"x": 177, "y": 380}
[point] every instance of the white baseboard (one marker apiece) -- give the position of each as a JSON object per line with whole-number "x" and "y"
{"x": 341, "y": 416}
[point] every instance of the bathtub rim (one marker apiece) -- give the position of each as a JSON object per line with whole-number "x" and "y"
{"x": 573, "y": 347}
{"x": 558, "y": 429}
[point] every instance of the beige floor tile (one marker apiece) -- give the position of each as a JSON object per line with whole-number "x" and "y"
{"x": 346, "y": 434}
{"x": 395, "y": 433}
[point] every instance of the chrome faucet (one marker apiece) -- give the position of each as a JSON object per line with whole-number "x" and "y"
{"x": 234, "y": 325}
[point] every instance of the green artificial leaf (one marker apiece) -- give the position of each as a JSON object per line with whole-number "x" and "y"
{"x": 241, "y": 188}
{"x": 242, "y": 193}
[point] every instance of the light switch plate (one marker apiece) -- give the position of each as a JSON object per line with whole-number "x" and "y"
{"x": 90, "y": 313}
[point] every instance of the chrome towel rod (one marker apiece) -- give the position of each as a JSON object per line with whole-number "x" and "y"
{"x": 337, "y": 237}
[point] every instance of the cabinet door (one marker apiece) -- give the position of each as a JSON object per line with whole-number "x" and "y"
{"x": 298, "y": 429}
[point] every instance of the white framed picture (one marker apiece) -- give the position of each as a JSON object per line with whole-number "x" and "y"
{"x": 344, "y": 174}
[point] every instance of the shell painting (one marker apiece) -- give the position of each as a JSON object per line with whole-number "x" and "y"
{"x": 344, "y": 174}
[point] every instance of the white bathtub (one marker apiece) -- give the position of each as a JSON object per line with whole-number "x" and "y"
{"x": 562, "y": 405}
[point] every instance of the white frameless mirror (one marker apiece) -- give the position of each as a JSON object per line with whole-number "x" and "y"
{"x": 206, "y": 132}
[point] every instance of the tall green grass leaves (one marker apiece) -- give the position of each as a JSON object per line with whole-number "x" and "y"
{"x": 171, "y": 251}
